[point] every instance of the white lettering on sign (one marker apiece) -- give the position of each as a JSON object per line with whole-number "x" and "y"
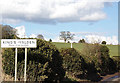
{"x": 18, "y": 43}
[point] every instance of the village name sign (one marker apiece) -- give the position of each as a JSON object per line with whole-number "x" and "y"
{"x": 19, "y": 43}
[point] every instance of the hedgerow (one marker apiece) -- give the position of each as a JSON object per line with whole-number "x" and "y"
{"x": 99, "y": 56}
{"x": 44, "y": 63}
{"x": 117, "y": 62}
{"x": 73, "y": 62}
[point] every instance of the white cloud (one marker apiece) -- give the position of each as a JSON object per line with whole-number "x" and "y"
{"x": 94, "y": 17}
{"x": 91, "y": 39}
{"x": 88, "y": 33}
{"x": 32, "y": 36}
{"x": 98, "y": 39}
{"x": 57, "y": 39}
{"x": 51, "y": 11}
{"x": 21, "y": 32}
{"x": 95, "y": 37}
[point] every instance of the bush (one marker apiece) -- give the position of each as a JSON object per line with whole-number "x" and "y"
{"x": 107, "y": 64}
{"x": 50, "y": 40}
{"x": 117, "y": 62}
{"x": 44, "y": 63}
{"x": 99, "y": 56}
{"x": 68, "y": 42}
{"x": 73, "y": 62}
{"x": 103, "y": 42}
{"x": 81, "y": 41}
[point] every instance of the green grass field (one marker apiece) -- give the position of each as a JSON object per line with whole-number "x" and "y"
{"x": 78, "y": 46}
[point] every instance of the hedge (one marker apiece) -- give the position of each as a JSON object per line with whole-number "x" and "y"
{"x": 44, "y": 63}
{"x": 117, "y": 62}
{"x": 99, "y": 56}
{"x": 73, "y": 62}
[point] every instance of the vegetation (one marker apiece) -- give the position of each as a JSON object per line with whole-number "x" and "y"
{"x": 8, "y": 32}
{"x": 76, "y": 67}
{"x": 68, "y": 42}
{"x": 103, "y": 42}
{"x": 117, "y": 62}
{"x": 82, "y": 41}
{"x": 40, "y": 36}
{"x": 44, "y": 63}
{"x": 50, "y": 40}
{"x": 99, "y": 55}
{"x": 66, "y": 35}
{"x": 113, "y": 49}
{"x": 97, "y": 58}
{"x": 73, "y": 62}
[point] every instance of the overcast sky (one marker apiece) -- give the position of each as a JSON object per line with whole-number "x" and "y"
{"x": 91, "y": 20}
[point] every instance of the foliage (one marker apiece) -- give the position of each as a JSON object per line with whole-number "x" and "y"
{"x": 66, "y": 35}
{"x": 40, "y": 36}
{"x": 73, "y": 62}
{"x": 81, "y": 41}
{"x": 117, "y": 62}
{"x": 107, "y": 64}
{"x": 44, "y": 63}
{"x": 103, "y": 42}
{"x": 8, "y": 32}
{"x": 80, "y": 46}
{"x": 99, "y": 55}
{"x": 35, "y": 71}
{"x": 68, "y": 42}
{"x": 50, "y": 40}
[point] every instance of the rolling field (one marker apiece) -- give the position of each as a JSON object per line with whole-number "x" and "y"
{"x": 78, "y": 46}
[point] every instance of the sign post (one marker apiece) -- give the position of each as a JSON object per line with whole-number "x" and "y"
{"x": 25, "y": 64}
{"x": 19, "y": 43}
{"x": 16, "y": 64}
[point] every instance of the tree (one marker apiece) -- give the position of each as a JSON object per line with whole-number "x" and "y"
{"x": 40, "y": 36}
{"x": 73, "y": 62}
{"x": 50, "y": 40}
{"x": 99, "y": 55}
{"x": 66, "y": 35}
{"x": 68, "y": 42}
{"x": 103, "y": 42}
{"x": 8, "y": 32}
{"x": 82, "y": 41}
